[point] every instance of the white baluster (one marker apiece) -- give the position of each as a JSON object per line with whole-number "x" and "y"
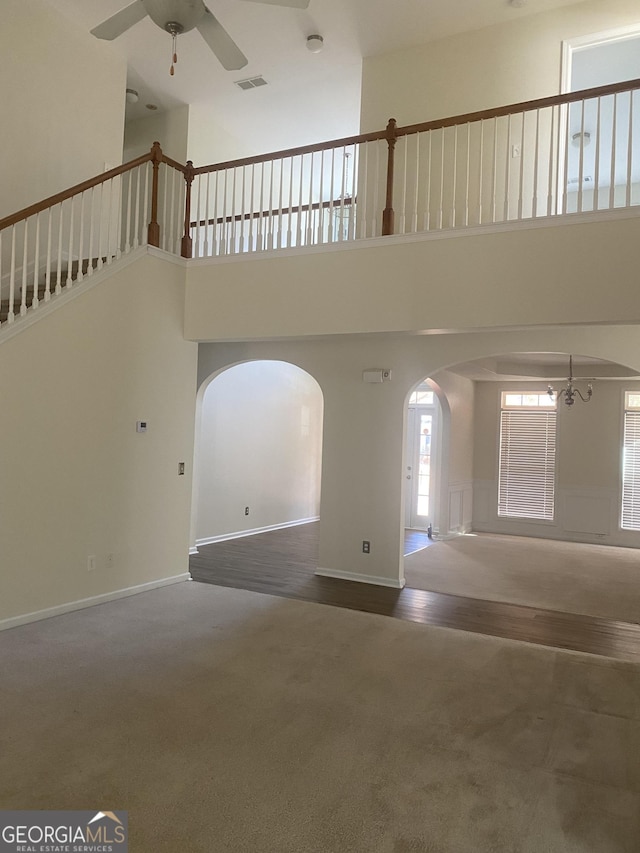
{"x": 243, "y": 208}
{"x": 494, "y": 171}
{"x": 47, "y": 275}
{"x": 290, "y": 221}
{"x": 175, "y": 239}
{"x": 466, "y": 179}
{"x": 332, "y": 234}
{"x": 309, "y": 229}
{"x": 404, "y": 146}
{"x": 79, "y": 275}
{"x": 581, "y": 159}
{"x": 206, "y": 216}
{"x": 565, "y": 180}
{"x": 364, "y": 185}
{"x": 614, "y": 129}
{"x": 521, "y": 173}
{"x": 224, "y": 229}
{"x": 377, "y": 208}
{"x": 110, "y": 214}
{"x": 59, "y": 260}
{"x": 427, "y": 211}
{"x": 630, "y": 152}
{"x": 480, "y": 171}
{"x": 69, "y": 281}
{"x": 233, "y": 247}
{"x": 215, "y": 241}
{"x": 91, "y": 226}
{"x": 596, "y": 174}
{"x": 136, "y": 218}
{"x": 536, "y": 158}
{"x": 507, "y": 171}
{"x": 36, "y": 265}
{"x": 552, "y": 159}
{"x": 25, "y": 262}
{"x": 354, "y": 172}
{"x": 454, "y": 178}
{"x": 12, "y": 277}
{"x": 145, "y": 208}
{"x": 441, "y": 206}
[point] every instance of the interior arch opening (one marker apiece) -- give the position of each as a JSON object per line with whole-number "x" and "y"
{"x": 259, "y": 451}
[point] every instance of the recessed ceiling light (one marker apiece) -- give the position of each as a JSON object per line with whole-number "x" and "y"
{"x": 151, "y": 106}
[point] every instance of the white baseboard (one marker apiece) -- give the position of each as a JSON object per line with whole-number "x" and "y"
{"x": 193, "y": 550}
{"x": 376, "y": 580}
{"x": 239, "y": 534}
{"x": 81, "y": 604}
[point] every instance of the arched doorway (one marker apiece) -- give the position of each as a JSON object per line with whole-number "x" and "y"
{"x": 259, "y": 451}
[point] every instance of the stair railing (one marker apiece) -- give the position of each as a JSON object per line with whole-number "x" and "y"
{"x": 571, "y": 153}
{"x": 50, "y": 246}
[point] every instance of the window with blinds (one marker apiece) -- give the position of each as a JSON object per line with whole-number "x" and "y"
{"x": 527, "y": 464}
{"x": 631, "y": 463}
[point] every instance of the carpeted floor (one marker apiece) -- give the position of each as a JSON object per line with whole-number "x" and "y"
{"x": 225, "y": 720}
{"x": 595, "y": 580}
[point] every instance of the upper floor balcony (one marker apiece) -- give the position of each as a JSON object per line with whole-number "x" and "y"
{"x": 565, "y": 158}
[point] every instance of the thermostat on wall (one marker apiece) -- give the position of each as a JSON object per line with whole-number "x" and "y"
{"x": 141, "y": 426}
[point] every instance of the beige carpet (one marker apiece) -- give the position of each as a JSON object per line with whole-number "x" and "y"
{"x": 224, "y": 720}
{"x": 596, "y": 580}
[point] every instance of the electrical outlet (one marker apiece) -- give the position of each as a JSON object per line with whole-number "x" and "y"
{"x": 91, "y": 563}
{"x": 180, "y": 469}
{"x": 246, "y": 510}
{"x": 366, "y": 546}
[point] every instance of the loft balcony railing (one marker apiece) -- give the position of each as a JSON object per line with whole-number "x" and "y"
{"x": 572, "y": 153}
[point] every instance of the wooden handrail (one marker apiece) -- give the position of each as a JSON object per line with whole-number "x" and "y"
{"x": 523, "y": 107}
{"x": 495, "y": 112}
{"x": 26, "y": 212}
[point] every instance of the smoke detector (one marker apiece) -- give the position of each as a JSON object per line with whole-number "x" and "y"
{"x": 315, "y": 43}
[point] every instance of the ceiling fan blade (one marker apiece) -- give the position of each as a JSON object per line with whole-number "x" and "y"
{"x": 120, "y": 22}
{"x": 221, "y": 43}
{"x": 291, "y": 4}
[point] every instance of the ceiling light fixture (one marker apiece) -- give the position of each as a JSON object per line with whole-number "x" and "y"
{"x": 581, "y": 139}
{"x": 132, "y": 96}
{"x": 570, "y": 392}
{"x": 315, "y": 43}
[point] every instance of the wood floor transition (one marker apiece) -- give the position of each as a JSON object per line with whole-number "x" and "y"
{"x": 283, "y": 562}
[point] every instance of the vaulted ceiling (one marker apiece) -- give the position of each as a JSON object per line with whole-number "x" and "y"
{"x": 274, "y": 40}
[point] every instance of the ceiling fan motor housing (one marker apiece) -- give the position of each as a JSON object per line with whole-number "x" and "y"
{"x": 175, "y": 16}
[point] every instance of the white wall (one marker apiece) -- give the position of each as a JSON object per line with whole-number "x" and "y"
{"x": 503, "y": 64}
{"x": 525, "y": 275}
{"x": 77, "y": 479}
{"x": 62, "y": 104}
{"x": 169, "y": 128}
{"x": 259, "y": 445}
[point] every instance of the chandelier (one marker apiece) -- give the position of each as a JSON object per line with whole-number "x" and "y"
{"x": 570, "y": 392}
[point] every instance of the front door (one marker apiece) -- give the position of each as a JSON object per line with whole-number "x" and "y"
{"x": 419, "y": 479}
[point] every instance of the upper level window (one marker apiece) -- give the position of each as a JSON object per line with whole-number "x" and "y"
{"x": 527, "y": 459}
{"x": 631, "y": 462}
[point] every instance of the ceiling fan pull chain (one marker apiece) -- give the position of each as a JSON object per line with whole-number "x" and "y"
{"x": 175, "y": 54}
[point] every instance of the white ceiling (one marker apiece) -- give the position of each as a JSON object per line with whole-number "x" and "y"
{"x": 545, "y": 366}
{"x": 274, "y": 40}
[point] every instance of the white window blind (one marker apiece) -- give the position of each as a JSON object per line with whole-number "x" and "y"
{"x": 526, "y": 477}
{"x": 631, "y": 472}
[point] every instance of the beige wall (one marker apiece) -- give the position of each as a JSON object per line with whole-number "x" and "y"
{"x": 77, "y": 479}
{"x": 62, "y": 104}
{"x": 504, "y": 64}
{"x": 169, "y": 128}
{"x": 259, "y": 446}
{"x": 525, "y": 276}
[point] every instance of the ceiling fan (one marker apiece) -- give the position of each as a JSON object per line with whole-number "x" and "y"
{"x": 180, "y": 16}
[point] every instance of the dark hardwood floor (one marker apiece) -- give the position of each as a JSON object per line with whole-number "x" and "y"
{"x": 283, "y": 562}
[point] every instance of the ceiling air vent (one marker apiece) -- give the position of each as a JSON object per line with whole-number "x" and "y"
{"x": 251, "y": 83}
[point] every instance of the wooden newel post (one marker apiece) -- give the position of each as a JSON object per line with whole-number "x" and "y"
{"x": 187, "y": 243}
{"x": 153, "y": 231}
{"x": 387, "y": 214}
